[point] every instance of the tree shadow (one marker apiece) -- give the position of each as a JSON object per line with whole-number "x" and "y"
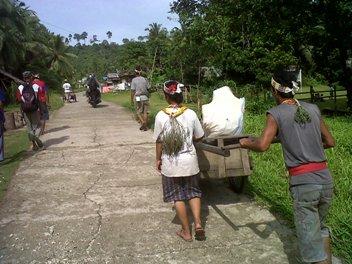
{"x": 55, "y": 141}
{"x": 55, "y": 129}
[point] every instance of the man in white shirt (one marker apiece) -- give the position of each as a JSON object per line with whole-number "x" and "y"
{"x": 67, "y": 90}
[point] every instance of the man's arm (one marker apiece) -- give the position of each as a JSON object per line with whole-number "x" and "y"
{"x": 262, "y": 143}
{"x": 158, "y": 150}
{"x": 132, "y": 96}
{"x": 327, "y": 138}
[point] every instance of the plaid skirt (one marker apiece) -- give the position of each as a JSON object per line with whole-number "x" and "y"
{"x": 181, "y": 188}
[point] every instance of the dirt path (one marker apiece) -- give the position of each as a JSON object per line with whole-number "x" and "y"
{"x": 93, "y": 196}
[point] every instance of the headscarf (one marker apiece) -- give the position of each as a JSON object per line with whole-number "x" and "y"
{"x": 301, "y": 116}
{"x": 277, "y": 86}
{"x": 172, "y": 87}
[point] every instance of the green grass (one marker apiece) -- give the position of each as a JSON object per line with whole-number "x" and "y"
{"x": 157, "y": 102}
{"x": 269, "y": 182}
{"x": 270, "y": 186}
{"x": 16, "y": 145}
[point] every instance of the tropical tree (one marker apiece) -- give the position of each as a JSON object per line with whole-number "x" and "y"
{"x": 109, "y": 34}
{"x": 58, "y": 57}
{"x": 84, "y": 36}
{"x": 94, "y": 39}
{"x": 77, "y": 37}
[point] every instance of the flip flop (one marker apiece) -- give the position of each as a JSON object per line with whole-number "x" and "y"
{"x": 199, "y": 234}
{"x": 179, "y": 233}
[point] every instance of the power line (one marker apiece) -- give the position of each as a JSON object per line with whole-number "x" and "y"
{"x": 50, "y": 24}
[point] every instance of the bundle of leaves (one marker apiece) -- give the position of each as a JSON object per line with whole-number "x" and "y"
{"x": 173, "y": 137}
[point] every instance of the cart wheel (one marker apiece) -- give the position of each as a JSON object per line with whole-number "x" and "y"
{"x": 237, "y": 183}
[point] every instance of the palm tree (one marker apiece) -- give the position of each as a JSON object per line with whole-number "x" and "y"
{"x": 156, "y": 37}
{"x": 58, "y": 58}
{"x": 77, "y": 37}
{"x": 15, "y": 32}
{"x": 84, "y": 36}
{"x": 109, "y": 34}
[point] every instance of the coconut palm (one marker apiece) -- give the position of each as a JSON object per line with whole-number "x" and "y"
{"x": 58, "y": 58}
{"x": 84, "y": 36}
{"x": 15, "y": 31}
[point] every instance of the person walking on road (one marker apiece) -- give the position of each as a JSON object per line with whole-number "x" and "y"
{"x": 140, "y": 97}
{"x": 27, "y": 96}
{"x": 303, "y": 135}
{"x": 43, "y": 102}
{"x": 176, "y": 127}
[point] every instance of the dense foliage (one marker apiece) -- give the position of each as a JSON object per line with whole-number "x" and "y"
{"x": 243, "y": 41}
{"x": 25, "y": 44}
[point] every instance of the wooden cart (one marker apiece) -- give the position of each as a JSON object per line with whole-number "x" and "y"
{"x": 224, "y": 158}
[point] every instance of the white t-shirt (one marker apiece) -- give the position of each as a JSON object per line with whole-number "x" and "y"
{"x": 186, "y": 162}
{"x": 66, "y": 87}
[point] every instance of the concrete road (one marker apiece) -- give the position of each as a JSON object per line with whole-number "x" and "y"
{"x": 93, "y": 196}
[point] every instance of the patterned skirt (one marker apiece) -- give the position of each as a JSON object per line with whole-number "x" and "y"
{"x": 181, "y": 188}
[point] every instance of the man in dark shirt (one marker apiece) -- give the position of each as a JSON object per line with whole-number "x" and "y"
{"x": 303, "y": 135}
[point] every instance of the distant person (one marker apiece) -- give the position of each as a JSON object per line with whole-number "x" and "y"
{"x": 2, "y": 122}
{"x": 27, "y": 96}
{"x": 93, "y": 93}
{"x": 67, "y": 90}
{"x": 140, "y": 97}
{"x": 176, "y": 127}
{"x": 303, "y": 135}
{"x": 43, "y": 101}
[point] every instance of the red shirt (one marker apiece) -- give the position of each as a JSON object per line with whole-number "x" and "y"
{"x": 41, "y": 90}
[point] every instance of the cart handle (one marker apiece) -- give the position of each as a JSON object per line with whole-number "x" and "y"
{"x": 213, "y": 149}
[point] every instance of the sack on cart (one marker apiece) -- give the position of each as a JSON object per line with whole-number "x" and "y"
{"x": 224, "y": 115}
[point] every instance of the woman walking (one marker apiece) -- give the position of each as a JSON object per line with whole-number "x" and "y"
{"x": 176, "y": 127}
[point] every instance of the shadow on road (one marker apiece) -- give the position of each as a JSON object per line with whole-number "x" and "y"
{"x": 55, "y": 141}
{"x": 56, "y": 129}
{"x": 102, "y": 106}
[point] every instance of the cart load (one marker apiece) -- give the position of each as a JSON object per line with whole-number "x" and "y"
{"x": 223, "y": 116}
{"x": 219, "y": 154}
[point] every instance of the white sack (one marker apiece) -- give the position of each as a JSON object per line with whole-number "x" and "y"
{"x": 224, "y": 115}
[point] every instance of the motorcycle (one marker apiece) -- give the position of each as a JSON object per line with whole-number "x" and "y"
{"x": 94, "y": 97}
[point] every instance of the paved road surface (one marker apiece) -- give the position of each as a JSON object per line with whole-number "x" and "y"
{"x": 93, "y": 196}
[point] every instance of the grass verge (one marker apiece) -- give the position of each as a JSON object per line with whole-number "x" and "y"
{"x": 269, "y": 184}
{"x": 16, "y": 145}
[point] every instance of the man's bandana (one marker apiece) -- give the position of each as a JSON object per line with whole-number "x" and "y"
{"x": 172, "y": 87}
{"x": 284, "y": 89}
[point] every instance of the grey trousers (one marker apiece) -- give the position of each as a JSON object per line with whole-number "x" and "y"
{"x": 311, "y": 203}
{"x": 33, "y": 127}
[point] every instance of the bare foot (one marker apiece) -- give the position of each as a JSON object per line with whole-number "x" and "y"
{"x": 186, "y": 236}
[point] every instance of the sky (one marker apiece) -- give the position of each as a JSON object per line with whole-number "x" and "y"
{"x": 124, "y": 18}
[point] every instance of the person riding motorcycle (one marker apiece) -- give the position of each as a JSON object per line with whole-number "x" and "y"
{"x": 93, "y": 92}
